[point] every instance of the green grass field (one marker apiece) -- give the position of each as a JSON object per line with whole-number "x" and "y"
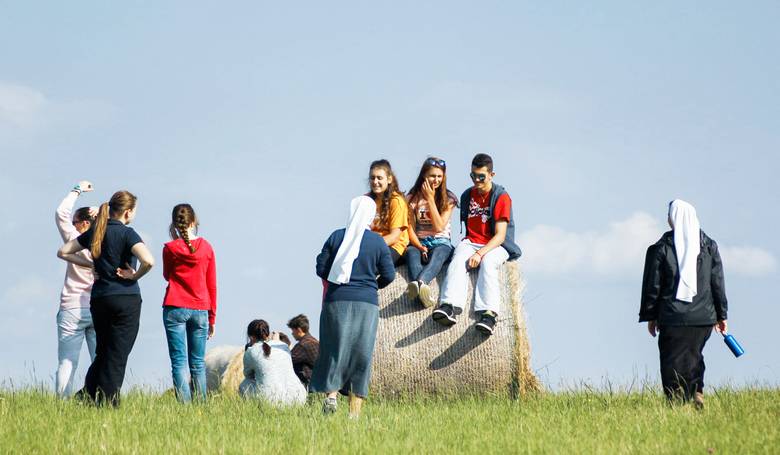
{"x": 733, "y": 422}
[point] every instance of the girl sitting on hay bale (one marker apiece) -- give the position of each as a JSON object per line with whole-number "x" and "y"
{"x": 268, "y": 369}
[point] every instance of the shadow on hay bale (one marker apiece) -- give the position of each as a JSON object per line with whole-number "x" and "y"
{"x": 415, "y": 355}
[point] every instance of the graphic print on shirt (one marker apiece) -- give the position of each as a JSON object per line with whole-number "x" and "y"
{"x": 476, "y": 210}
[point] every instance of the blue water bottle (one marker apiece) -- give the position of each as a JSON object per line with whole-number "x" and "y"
{"x": 733, "y": 344}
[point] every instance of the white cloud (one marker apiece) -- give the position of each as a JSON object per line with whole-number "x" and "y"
{"x": 619, "y": 250}
{"x": 746, "y": 260}
{"x": 26, "y": 109}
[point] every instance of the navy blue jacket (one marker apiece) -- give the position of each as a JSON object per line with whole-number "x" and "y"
{"x": 372, "y": 270}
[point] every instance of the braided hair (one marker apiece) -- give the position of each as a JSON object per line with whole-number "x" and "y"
{"x": 387, "y": 195}
{"x": 182, "y": 217}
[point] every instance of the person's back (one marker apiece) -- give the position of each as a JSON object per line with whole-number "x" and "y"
{"x": 271, "y": 377}
{"x": 369, "y": 264}
{"x": 659, "y": 300}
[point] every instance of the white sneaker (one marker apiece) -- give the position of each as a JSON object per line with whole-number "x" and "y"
{"x": 425, "y": 295}
{"x": 413, "y": 289}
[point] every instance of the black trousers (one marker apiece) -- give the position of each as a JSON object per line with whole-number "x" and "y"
{"x": 116, "y": 319}
{"x": 682, "y": 362}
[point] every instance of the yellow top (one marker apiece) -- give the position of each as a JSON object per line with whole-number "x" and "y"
{"x": 398, "y": 218}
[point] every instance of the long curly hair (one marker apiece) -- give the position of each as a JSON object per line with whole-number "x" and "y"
{"x": 387, "y": 195}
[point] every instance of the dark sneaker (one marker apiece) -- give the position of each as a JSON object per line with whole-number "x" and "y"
{"x": 444, "y": 315}
{"x": 413, "y": 289}
{"x": 329, "y": 405}
{"x": 426, "y": 297}
{"x": 487, "y": 323}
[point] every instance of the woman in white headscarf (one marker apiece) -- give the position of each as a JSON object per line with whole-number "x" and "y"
{"x": 683, "y": 298}
{"x": 356, "y": 263}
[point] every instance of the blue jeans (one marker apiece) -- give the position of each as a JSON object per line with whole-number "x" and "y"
{"x": 437, "y": 256}
{"x": 187, "y": 331}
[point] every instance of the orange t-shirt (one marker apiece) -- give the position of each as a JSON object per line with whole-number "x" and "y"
{"x": 398, "y": 217}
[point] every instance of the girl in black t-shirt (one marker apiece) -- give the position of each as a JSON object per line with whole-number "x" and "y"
{"x": 116, "y": 297}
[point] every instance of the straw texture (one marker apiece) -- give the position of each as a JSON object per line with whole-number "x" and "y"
{"x": 415, "y": 355}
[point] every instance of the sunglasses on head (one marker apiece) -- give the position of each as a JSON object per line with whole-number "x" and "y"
{"x": 478, "y": 177}
{"x": 438, "y": 163}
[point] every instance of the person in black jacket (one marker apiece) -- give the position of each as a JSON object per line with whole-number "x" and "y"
{"x": 683, "y": 297}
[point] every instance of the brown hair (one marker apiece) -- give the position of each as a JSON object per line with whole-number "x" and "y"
{"x": 299, "y": 322}
{"x": 442, "y": 196}
{"x": 82, "y": 214}
{"x": 392, "y": 188}
{"x": 259, "y": 329}
{"x": 119, "y": 203}
{"x": 182, "y": 217}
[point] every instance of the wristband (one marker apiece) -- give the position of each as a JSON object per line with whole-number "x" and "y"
{"x": 77, "y": 189}
{"x": 477, "y": 253}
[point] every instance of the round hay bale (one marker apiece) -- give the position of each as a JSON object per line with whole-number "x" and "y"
{"x": 224, "y": 368}
{"x": 415, "y": 355}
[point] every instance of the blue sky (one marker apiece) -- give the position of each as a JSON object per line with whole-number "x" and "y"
{"x": 265, "y": 117}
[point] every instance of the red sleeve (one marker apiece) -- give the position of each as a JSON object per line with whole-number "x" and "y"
{"x": 503, "y": 208}
{"x": 167, "y": 260}
{"x": 211, "y": 284}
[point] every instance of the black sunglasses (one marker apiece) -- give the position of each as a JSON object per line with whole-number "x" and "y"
{"x": 438, "y": 163}
{"x": 478, "y": 177}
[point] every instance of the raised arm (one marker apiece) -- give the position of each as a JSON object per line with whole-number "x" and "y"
{"x": 440, "y": 220}
{"x": 63, "y": 216}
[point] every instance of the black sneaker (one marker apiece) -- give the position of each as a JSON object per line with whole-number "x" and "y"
{"x": 487, "y": 323}
{"x": 444, "y": 315}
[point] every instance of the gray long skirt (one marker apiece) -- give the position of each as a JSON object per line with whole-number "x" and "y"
{"x": 347, "y": 336}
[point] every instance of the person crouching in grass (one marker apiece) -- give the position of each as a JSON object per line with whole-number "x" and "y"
{"x": 268, "y": 370}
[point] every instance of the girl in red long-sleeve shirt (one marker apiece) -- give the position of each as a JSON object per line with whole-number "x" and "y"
{"x": 190, "y": 305}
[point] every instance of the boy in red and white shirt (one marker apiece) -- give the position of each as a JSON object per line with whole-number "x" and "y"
{"x": 486, "y": 209}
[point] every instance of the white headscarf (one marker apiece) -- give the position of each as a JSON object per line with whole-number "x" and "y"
{"x": 362, "y": 210}
{"x": 686, "y": 244}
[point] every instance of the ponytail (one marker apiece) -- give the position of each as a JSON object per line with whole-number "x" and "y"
{"x": 120, "y": 202}
{"x": 259, "y": 330}
{"x": 100, "y": 231}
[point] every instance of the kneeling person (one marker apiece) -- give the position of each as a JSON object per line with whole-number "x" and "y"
{"x": 486, "y": 210}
